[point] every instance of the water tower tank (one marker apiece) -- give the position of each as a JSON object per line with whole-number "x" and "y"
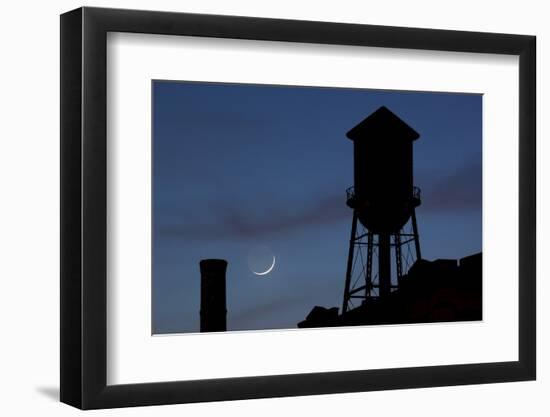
{"x": 383, "y": 194}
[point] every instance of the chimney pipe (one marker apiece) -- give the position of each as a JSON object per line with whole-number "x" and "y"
{"x": 213, "y": 310}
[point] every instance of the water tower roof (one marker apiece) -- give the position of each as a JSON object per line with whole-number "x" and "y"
{"x": 382, "y": 123}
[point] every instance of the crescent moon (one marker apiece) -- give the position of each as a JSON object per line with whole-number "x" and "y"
{"x": 268, "y": 270}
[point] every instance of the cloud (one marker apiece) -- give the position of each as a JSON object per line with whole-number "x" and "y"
{"x": 459, "y": 191}
{"x": 245, "y": 317}
{"x": 287, "y": 308}
{"x": 284, "y": 311}
{"x": 237, "y": 223}
{"x": 462, "y": 190}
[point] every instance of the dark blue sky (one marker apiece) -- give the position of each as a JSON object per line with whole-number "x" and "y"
{"x": 236, "y": 166}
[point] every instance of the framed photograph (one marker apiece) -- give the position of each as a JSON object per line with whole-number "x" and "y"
{"x": 258, "y": 208}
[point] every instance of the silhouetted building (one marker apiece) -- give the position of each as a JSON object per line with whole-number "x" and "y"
{"x": 213, "y": 312}
{"x": 439, "y": 291}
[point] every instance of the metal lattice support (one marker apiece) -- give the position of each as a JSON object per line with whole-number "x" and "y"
{"x": 415, "y": 233}
{"x": 349, "y": 268}
{"x": 362, "y": 278}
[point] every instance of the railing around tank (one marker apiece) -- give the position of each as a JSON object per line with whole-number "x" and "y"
{"x": 416, "y": 193}
{"x": 350, "y": 195}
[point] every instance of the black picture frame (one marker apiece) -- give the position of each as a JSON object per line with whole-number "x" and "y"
{"x": 84, "y": 207}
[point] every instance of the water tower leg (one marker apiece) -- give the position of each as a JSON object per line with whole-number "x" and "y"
{"x": 398, "y": 260}
{"x": 368, "y": 275}
{"x": 349, "y": 267}
{"x": 384, "y": 264}
{"x": 416, "y": 237}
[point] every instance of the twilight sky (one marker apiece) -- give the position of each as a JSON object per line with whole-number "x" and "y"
{"x": 239, "y": 167}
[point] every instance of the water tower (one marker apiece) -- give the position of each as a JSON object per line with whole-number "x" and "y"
{"x": 383, "y": 200}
